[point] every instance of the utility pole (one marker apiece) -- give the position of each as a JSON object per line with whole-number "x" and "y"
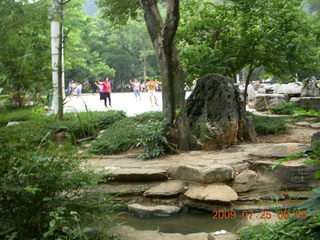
{"x": 57, "y": 56}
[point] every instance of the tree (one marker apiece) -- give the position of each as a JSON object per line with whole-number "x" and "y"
{"x": 24, "y": 46}
{"x": 227, "y": 37}
{"x": 162, "y": 35}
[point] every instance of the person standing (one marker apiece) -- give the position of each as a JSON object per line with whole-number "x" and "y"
{"x": 151, "y": 86}
{"x": 136, "y": 89}
{"x": 100, "y": 87}
{"x": 106, "y": 91}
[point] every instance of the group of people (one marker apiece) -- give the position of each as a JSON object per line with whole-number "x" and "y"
{"x": 74, "y": 89}
{"x": 151, "y": 86}
{"x": 105, "y": 90}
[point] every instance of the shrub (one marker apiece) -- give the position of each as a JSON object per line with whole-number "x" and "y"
{"x": 286, "y": 108}
{"x": 295, "y": 230}
{"x": 42, "y": 188}
{"x": 269, "y": 125}
{"x": 109, "y": 118}
{"x": 16, "y": 115}
{"x": 41, "y": 194}
{"x": 119, "y": 137}
{"x": 149, "y": 117}
{"x": 143, "y": 130}
{"x": 153, "y": 140}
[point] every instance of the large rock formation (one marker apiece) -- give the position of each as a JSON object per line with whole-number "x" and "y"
{"x": 216, "y": 113}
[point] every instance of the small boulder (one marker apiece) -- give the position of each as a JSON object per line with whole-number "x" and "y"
{"x": 266, "y": 101}
{"x": 170, "y": 188}
{"x": 222, "y": 235}
{"x": 12, "y": 123}
{"x": 209, "y": 174}
{"x": 212, "y": 192}
{"x": 245, "y": 181}
{"x": 153, "y": 210}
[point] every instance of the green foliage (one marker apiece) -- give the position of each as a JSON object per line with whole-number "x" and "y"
{"x": 149, "y": 116}
{"x": 40, "y": 192}
{"x": 153, "y": 140}
{"x": 145, "y": 130}
{"x": 286, "y": 108}
{"x": 295, "y": 230}
{"x": 227, "y": 36}
{"x": 202, "y": 132}
{"x": 311, "y": 113}
{"x": 119, "y": 12}
{"x": 43, "y": 190}
{"x": 25, "y": 52}
{"x": 15, "y": 115}
{"x": 105, "y": 120}
{"x": 119, "y": 137}
{"x": 269, "y": 125}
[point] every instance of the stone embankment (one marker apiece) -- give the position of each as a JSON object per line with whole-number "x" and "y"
{"x": 242, "y": 177}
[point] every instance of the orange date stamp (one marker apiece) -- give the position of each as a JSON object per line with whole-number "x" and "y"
{"x": 249, "y": 214}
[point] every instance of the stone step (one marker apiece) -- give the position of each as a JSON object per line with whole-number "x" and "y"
{"x": 151, "y": 210}
{"x": 166, "y": 189}
{"x": 125, "y": 189}
{"x": 138, "y": 174}
{"x": 278, "y": 150}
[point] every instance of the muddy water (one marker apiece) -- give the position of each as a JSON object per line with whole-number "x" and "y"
{"x": 184, "y": 223}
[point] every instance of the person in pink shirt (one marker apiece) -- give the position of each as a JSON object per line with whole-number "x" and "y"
{"x": 136, "y": 88}
{"x": 106, "y": 91}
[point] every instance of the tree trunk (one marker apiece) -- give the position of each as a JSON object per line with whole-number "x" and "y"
{"x": 247, "y": 80}
{"x": 60, "y": 69}
{"x": 162, "y": 35}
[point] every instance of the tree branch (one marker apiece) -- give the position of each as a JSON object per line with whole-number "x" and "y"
{"x": 172, "y": 21}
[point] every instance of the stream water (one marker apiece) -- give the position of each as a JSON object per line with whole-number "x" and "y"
{"x": 184, "y": 223}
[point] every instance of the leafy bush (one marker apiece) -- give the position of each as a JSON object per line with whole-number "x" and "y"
{"x": 16, "y": 115}
{"x": 119, "y": 137}
{"x": 109, "y": 118}
{"x": 269, "y": 125}
{"x": 142, "y": 130}
{"x": 295, "y": 230}
{"x": 149, "y": 117}
{"x": 311, "y": 113}
{"x": 153, "y": 140}
{"x": 42, "y": 188}
{"x": 36, "y": 187}
{"x": 286, "y": 108}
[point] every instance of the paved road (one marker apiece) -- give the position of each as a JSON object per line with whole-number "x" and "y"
{"x": 120, "y": 101}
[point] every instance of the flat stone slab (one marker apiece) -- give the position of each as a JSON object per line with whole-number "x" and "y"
{"x": 303, "y": 124}
{"x": 166, "y": 189}
{"x": 208, "y": 174}
{"x": 315, "y": 125}
{"x": 125, "y": 189}
{"x": 138, "y": 174}
{"x": 222, "y": 235}
{"x": 212, "y": 192}
{"x": 299, "y": 195}
{"x": 264, "y": 205}
{"x": 129, "y": 233}
{"x": 153, "y": 210}
{"x": 12, "y": 123}
{"x": 280, "y": 150}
